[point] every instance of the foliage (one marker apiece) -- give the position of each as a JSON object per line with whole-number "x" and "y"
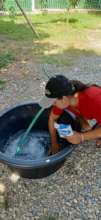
{"x": 5, "y": 59}
{"x": 43, "y": 3}
{"x": 2, "y": 4}
{"x": 2, "y": 84}
{"x": 73, "y": 3}
{"x": 72, "y": 20}
{"x": 12, "y": 12}
{"x": 44, "y": 6}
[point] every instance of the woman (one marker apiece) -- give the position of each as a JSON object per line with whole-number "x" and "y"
{"x": 81, "y": 99}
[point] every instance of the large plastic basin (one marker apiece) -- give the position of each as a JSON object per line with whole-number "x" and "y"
{"x": 18, "y": 118}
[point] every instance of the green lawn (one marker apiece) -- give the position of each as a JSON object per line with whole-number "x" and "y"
{"x": 62, "y": 37}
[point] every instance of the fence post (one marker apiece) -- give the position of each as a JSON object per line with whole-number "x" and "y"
{"x": 33, "y": 5}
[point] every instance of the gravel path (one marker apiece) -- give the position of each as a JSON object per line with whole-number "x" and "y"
{"x": 74, "y": 191}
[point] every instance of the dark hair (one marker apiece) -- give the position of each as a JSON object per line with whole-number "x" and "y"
{"x": 80, "y": 86}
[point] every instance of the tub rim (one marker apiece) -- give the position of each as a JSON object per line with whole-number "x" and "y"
{"x": 49, "y": 160}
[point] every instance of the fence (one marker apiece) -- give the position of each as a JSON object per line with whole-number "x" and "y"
{"x": 11, "y": 4}
{"x": 62, "y": 4}
{"x": 27, "y": 5}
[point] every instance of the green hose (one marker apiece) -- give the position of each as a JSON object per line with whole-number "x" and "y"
{"x": 22, "y": 140}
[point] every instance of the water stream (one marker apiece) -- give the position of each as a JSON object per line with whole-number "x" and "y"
{"x": 36, "y": 146}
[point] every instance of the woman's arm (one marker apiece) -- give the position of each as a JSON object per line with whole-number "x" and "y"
{"x": 55, "y": 146}
{"x": 92, "y": 134}
{"x": 77, "y": 137}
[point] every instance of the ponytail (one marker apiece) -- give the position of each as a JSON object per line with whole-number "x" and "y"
{"x": 80, "y": 86}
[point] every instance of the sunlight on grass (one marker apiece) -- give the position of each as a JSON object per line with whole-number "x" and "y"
{"x": 57, "y": 33}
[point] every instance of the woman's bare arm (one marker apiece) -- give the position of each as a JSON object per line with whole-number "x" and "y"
{"x": 77, "y": 137}
{"x": 55, "y": 145}
{"x": 92, "y": 134}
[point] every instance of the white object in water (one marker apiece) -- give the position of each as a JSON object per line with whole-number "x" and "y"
{"x": 63, "y": 129}
{"x": 47, "y": 161}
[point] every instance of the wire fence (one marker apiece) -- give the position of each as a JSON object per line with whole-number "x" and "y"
{"x": 62, "y": 4}
{"x": 27, "y": 5}
{"x": 11, "y": 5}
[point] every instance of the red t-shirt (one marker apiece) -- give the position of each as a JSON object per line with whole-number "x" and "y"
{"x": 89, "y": 105}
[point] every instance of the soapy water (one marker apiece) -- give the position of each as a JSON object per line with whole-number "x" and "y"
{"x": 36, "y": 146}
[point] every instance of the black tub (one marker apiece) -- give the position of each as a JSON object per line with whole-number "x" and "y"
{"x": 18, "y": 118}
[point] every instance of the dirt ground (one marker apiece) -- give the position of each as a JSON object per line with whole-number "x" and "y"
{"x": 74, "y": 191}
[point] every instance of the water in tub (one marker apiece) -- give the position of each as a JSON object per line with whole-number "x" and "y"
{"x": 36, "y": 146}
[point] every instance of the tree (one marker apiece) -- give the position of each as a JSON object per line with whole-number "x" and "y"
{"x": 73, "y": 3}
{"x": 1, "y": 4}
{"x": 43, "y": 3}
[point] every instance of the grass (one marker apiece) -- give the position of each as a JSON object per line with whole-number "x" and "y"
{"x": 5, "y": 59}
{"x": 2, "y": 84}
{"x": 59, "y": 36}
{"x": 48, "y": 218}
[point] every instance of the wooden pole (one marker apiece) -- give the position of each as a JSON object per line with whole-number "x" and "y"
{"x": 28, "y": 22}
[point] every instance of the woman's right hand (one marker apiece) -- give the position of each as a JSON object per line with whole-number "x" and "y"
{"x": 54, "y": 149}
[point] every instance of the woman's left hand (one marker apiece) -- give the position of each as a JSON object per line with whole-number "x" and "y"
{"x": 76, "y": 138}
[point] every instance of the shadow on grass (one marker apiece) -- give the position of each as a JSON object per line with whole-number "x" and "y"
{"x": 50, "y": 54}
{"x": 43, "y": 51}
{"x": 20, "y": 31}
{"x": 95, "y": 13}
{"x": 63, "y": 18}
{"x": 58, "y": 20}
